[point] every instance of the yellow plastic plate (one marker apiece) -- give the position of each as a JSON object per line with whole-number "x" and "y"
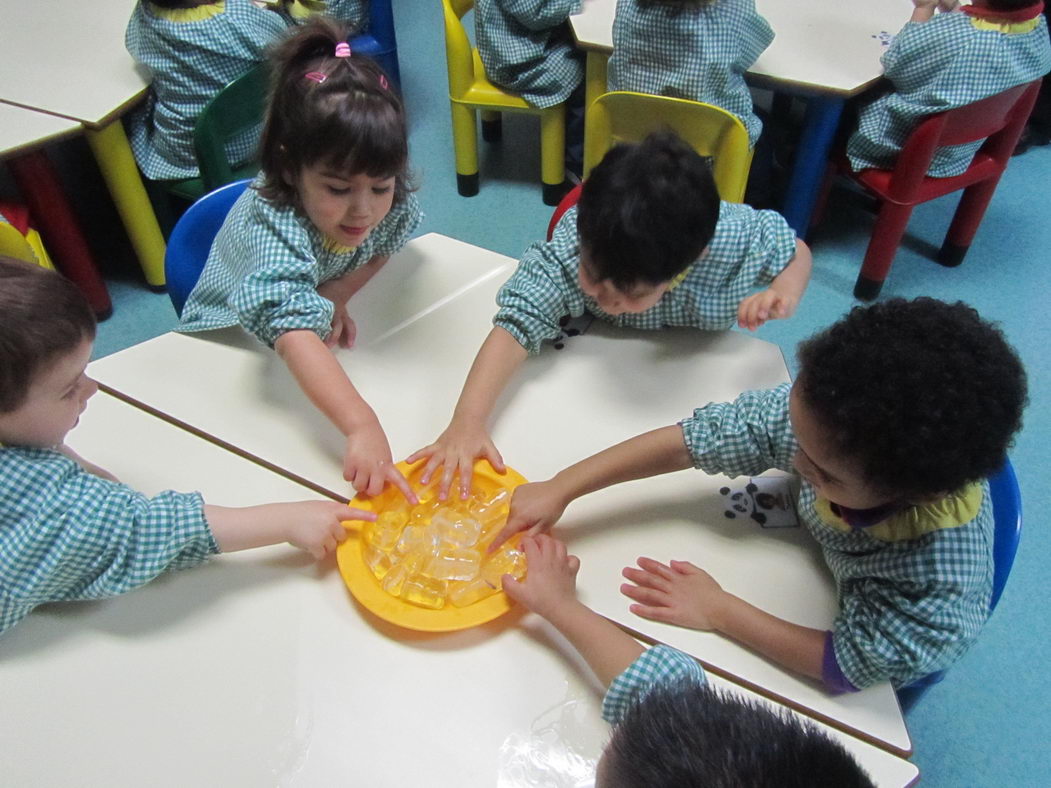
{"x": 366, "y": 588}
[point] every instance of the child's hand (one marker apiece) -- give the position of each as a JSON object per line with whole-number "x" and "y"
{"x": 455, "y": 451}
{"x": 551, "y": 576}
{"x": 317, "y": 526}
{"x": 948, "y": 5}
{"x": 343, "y": 329}
{"x": 925, "y": 3}
{"x": 680, "y": 594}
{"x": 769, "y": 304}
{"x": 367, "y": 463}
{"x": 534, "y": 507}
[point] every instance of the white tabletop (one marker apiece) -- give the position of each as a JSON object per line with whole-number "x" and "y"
{"x": 564, "y": 405}
{"x": 23, "y": 129}
{"x": 820, "y": 46}
{"x": 67, "y": 57}
{"x": 259, "y": 669}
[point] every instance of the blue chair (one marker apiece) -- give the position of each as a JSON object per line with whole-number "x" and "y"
{"x": 191, "y": 240}
{"x": 1007, "y": 531}
{"x": 377, "y": 39}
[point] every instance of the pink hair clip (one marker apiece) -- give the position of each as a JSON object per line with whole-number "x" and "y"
{"x": 316, "y": 76}
{"x": 383, "y": 82}
{"x": 342, "y": 49}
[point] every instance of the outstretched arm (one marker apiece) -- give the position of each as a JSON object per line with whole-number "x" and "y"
{"x": 781, "y": 298}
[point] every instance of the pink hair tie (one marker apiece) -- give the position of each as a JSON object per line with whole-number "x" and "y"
{"x": 316, "y": 76}
{"x": 383, "y": 82}
{"x": 342, "y": 49}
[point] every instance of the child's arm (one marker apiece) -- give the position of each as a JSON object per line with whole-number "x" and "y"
{"x": 90, "y": 467}
{"x": 314, "y": 526}
{"x": 549, "y": 590}
{"x": 782, "y": 297}
{"x": 539, "y": 506}
{"x": 923, "y": 10}
{"x": 687, "y": 596}
{"x": 339, "y": 291}
{"x": 466, "y": 438}
{"x": 367, "y": 461}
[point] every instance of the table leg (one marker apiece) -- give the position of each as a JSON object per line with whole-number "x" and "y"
{"x": 54, "y": 218}
{"x": 819, "y": 128}
{"x": 594, "y": 83}
{"x": 113, "y": 154}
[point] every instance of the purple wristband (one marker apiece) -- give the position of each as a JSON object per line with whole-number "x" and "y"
{"x": 833, "y": 677}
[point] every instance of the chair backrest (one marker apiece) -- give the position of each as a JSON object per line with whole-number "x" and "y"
{"x": 191, "y": 240}
{"x": 1007, "y": 531}
{"x": 377, "y": 38}
{"x": 568, "y": 201}
{"x": 459, "y": 59}
{"x": 998, "y": 119}
{"x": 238, "y": 107}
{"x": 622, "y": 116}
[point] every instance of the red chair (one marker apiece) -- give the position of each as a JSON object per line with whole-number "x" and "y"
{"x": 564, "y": 205}
{"x": 1001, "y": 119}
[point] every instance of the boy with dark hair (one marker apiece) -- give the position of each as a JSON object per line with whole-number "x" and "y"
{"x": 68, "y": 529}
{"x": 670, "y": 729}
{"x": 649, "y": 246}
{"x": 899, "y": 413}
{"x": 940, "y": 62}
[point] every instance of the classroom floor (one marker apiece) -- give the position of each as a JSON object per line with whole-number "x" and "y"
{"x": 988, "y": 723}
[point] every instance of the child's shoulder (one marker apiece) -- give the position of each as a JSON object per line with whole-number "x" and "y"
{"x": 25, "y": 470}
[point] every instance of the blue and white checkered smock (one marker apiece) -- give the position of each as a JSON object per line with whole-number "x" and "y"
{"x": 700, "y": 54}
{"x": 748, "y": 250}
{"x": 266, "y": 264}
{"x": 66, "y": 534}
{"x": 192, "y": 54}
{"x": 949, "y": 61}
{"x": 526, "y": 48}
{"x": 912, "y": 600}
{"x": 652, "y": 668}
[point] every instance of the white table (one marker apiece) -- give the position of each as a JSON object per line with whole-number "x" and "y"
{"x": 67, "y": 58}
{"x": 563, "y": 406}
{"x": 259, "y": 669}
{"x": 822, "y": 51}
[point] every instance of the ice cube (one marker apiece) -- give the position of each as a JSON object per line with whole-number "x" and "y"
{"x": 507, "y": 561}
{"x": 457, "y": 563}
{"x": 464, "y": 593}
{"x": 425, "y": 591}
{"x": 384, "y": 532}
{"x": 462, "y": 532}
{"x": 395, "y": 579}
{"x": 378, "y": 561}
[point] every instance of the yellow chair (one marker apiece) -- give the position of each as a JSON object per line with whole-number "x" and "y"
{"x": 470, "y": 90}
{"x": 622, "y": 116}
{"x": 28, "y": 247}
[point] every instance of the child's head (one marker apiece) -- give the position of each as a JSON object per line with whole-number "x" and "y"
{"x": 905, "y": 401}
{"x": 46, "y": 334}
{"x": 334, "y": 144}
{"x": 1004, "y": 5}
{"x": 646, "y": 212}
{"x": 686, "y": 733}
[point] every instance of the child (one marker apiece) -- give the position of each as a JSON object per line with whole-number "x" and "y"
{"x": 331, "y": 204}
{"x": 690, "y": 49}
{"x": 193, "y": 49}
{"x": 941, "y": 62}
{"x": 899, "y": 413}
{"x": 526, "y": 48}
{"x": 70, "y": 530}
{"x": 670, "y": 728}
{"x": 650, "y": 245}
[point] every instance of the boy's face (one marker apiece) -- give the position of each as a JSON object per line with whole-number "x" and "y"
{"x": 611, "y": 300}
{"x": 345, "y": 208}
{"x": 57, "y": 396}
{"x": 834, "y": 477}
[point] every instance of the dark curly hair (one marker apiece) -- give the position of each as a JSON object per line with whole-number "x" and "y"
{"x": 685, "y": 733}
{"x": 647, "y": 211}
{"x": 925, "y": 396}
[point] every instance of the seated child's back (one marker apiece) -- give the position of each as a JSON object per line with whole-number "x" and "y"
{"x": 690, "y": 49}
{"x": 944, "y": 62}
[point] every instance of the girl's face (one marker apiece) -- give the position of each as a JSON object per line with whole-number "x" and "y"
{"x": 52, "y": 407}
{"x": 610, "y": 299}
{"x": 345, "y": 208}
{"x": 834, "y": 478}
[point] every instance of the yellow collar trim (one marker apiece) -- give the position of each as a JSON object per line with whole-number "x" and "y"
{"x": 952, "y": 511}
{"x": 195, "y": 14}
{"x": 336, "y": 247}
{"x": 679, "y": 278}
{"x": 1009, "y": 28}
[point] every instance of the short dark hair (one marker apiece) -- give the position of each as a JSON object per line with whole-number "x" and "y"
{"x": 347, "y": 115}
{"x": 685, "y": 734}
{"x": 923, "y": 395}
{"x": 42, "y": 315}
{"x": 1008, "y": 5}
{"x": 647, "y": 211}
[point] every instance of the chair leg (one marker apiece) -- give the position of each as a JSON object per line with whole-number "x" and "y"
{"x": 965, "y": 221}
{"x": 883, "y": 245}
{"x": 465, "y": 145}
{"x": 492, "y": 126}
{"x": 822, "y": 197}
{"x": 553, "y": 153}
